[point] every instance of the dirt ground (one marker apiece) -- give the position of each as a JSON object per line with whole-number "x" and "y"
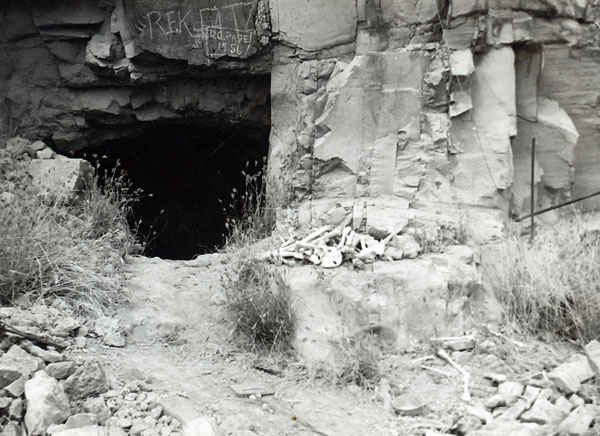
{"x": 181, "y": 342}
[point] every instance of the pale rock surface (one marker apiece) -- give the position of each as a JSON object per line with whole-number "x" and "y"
{"x": 314, "y": 25}
{"x": 87, "y": 380}
{"x": 17, "y": 363}
{"x": 60, "y": 178}
{"x": 61, "y": 370}
{"x": 47, "y": 403}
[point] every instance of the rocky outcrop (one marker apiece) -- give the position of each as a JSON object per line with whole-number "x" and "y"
{"x": 376, "y": 108}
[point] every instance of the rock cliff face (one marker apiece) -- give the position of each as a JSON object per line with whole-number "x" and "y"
{"x": 379, "y": 110}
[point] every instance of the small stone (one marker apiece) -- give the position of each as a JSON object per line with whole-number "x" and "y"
{"x": 46, "y": 355}
{"x": 569, "y": 376}
{"x": 97, "y": 406}
{"x": 45, "y": 153}
{"x": 494, "y": 401}
{"x": 61, "y": 370}
{"x": 592, "y": 351}
{"x": 247, "y": 389}
{"x": 16, "y": 363}
{"x": 467, "y": 424}
{"x": 5, "y": 402}
{"x": 494, "y": 377}
{"x": 564, "y": 405}
{"x": 510, "y": 391}
{"x": 65, "y": 326}
{"x": 81, "y": 420}
{"x": 114, "y": 339}
{"x": 394, "y": 253}
{"x": 47, "y": 403}
{"x": 83, "y": 331}
{"x": 576, "y": 400}
{"x": 577, "y": 423}
{"x": 522, "y": 404}
{"x": 479, "y": 412}
{"x": 200, "y": 427}
{"x": 16, "y": 388}
{"x": 12, "y": 429}
{"x": 88, "y": 380}
{"x": 407, "y": 405}
{"x": 15, "y": 411}
{"x": 156, "y": 412}
{"x": 92, "y": 430}
{"x": 543, "y": 412}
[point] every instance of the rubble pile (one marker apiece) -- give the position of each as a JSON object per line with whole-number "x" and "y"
{"x": 46, "y": 390}
{"x": 562, "y": 402}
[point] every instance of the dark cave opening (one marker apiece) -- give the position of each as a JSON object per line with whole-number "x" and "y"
{"x": 187, "y": 172}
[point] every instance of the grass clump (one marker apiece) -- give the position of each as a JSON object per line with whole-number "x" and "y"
{"x": 249, "y": 212}
{"x": 259, "y": 300}
{"x": 360, "y": 356}
{"x": 552, "y": 284}
{"x": 72, "y": 248}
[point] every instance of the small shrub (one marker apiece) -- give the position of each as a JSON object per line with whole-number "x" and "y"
{"x": 360, "y": 357}
{"x": 259, "y": 300}
{"x": 552, "y": 284}
{"x": 57, "y": 248}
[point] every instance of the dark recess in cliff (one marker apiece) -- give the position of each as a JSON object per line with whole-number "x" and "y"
{"x": 184, "y": 170}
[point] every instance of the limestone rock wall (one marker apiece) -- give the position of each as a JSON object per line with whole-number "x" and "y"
{"x": 80, "y": 73}
{"x": 426, "y": 110}
{"x": 381, "y": 111}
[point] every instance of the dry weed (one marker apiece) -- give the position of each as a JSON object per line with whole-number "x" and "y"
{"x": 58, "y": 248}
{"x": 259, "y": 300}
{"x": 552, "y": 284}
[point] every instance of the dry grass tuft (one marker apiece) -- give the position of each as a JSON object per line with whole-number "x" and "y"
{"x": 250, "y": 211}
{"x": 360, "y": 356}
{"x": 553, "y": 284}
{"x": 58, "y": 248}
{"x": 259, "y": 300}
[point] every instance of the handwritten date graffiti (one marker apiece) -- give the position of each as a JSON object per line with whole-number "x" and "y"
{"x": 219, "y": 31}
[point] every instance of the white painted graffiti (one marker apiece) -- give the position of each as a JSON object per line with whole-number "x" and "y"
{"x": 226, "y": 30}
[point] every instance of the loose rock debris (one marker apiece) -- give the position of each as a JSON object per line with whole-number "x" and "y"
{"x": 329, "y": 247}
{"x": 559, "y": 403}
{"x": 44, "y": 391}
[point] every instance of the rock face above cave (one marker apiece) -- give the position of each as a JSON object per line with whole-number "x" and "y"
{"x": 378, "y": 111}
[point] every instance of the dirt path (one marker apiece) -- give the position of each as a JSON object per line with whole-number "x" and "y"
{"x": 181, "y": 341}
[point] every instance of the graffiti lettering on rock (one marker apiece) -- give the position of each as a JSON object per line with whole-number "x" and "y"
{"x": 219, "y": 31}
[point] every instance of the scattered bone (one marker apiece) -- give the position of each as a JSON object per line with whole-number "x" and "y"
{"x": 466, "y": 376}
{"x": 328, "y": 247}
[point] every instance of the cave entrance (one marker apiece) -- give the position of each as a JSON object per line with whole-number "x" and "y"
{"x": 187, "y": 172}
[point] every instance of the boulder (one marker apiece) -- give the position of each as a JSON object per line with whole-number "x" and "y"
{"x": 61, "y": 370}
{"x": 75, "y": 421}
{"x": 88, "y": 380}
{"x": 110, "y": 331}
{"x": 97, "y": 406}
{"x": 16, "y": 408}
{"x": 569, "y": 376}
{"x": 47, "y": 403}
{"x": 60, "y": 178}
{"x": 577, "y": 423}
{"x": 17, "y": 363}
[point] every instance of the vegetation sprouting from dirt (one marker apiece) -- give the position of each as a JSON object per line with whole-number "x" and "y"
{"x": 552, "y": 284}
{"x": 249, "y": 211}
{"x": 259, "y": 300}
{"x": 57, "y": 247}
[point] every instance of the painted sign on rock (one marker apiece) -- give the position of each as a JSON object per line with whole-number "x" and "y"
{"x": 198, "y": 30}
